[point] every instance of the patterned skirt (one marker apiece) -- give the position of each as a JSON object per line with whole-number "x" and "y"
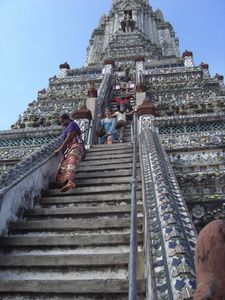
{"x": 69, "y": 163}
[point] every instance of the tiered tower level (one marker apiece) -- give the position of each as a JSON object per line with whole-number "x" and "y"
{"x": 189, "y": 104}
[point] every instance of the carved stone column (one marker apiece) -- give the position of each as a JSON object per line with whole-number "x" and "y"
{"x": 146, "y": 108}
{"x": 220, "y": 79}
{"x": 63, "y": 70}
{"x": 91, "y": 100}
{"x": 109, "y": 66}
{"x": 140, "y": 86}
{"x": 205, "y": 69}
{"x": 83, "y": 118}
{"x": 139, "y": 68}
{"x": 188, "y": 59}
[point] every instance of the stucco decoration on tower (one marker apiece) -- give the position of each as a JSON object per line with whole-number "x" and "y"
{"x": 131, "y": 29}
{"x": 122, "y": 2}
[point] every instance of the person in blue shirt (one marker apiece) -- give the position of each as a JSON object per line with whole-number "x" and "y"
{"x": 109, "y": 124}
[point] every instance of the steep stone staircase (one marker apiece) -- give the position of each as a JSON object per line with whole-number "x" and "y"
{"x": 76, "y": 245}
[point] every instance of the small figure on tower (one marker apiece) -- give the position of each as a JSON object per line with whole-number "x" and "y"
{"x": 127, "y": 23}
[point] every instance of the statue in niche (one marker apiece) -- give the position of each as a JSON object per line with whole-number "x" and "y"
{"x": 127, "y": 23}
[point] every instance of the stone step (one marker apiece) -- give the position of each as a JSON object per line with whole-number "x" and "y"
{"x": 89, "y": 204}
{"x": 66, "y": 240}
{"x": 103, "y": 181}
{"x": 105, "y": 174}
{"x": 68, "y": 250}
{"x": 95, "y": 286}
{"x": 60, "y": 296}
{"x": 102, "y": 156}
{"x": 127, "y": 139}
{"x": 112, "y": 153}
{"x": 82, "y": 181}
{"x": 77, "y": 211}
{"x": 67, "y": 272}
{"x": 111, "y": 197}
{"x": 77, "y": 224}
{"x": 114, "y": 188}
{"x": 67, "y": 267}
{"x": 100, "y": 177}
{"x": 83, "y": 232}
{"x": 128, "y": 130}
{"x": 106, "y": 166}
{"x": 116, "y": 146}
{"x": 64, "y": 260}
{"x": 109, "y": 152}
{"x": 114, "y": 160}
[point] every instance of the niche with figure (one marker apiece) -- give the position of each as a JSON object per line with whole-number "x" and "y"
{"x": 127, "y": 22}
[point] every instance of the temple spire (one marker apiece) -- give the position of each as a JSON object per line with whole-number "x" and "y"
{"x": 124, "y": 1}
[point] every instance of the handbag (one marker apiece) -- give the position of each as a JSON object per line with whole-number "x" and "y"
{"x": 101, "y": 131}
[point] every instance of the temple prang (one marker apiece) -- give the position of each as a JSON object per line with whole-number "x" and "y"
{"x": 133, "y": 54}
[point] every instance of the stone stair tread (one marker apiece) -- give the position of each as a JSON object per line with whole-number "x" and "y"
{"x": 115, "y": 145}
{"x": 104, "y": 174}
{"x": 107, "y": 209}
{"x": 101, "y": 181}
{"x": 104, "y": 181}
{"x": 111, "y": 222}
{"x": 102, "y": 156}
{"x": 116, "y": 188}
{"x": 111, "y": 286}
{"x": 64, "y": 296}
{"x": 67, "y": 240}
{"x": 109, "y": 150}
{"x": 106, "y": 167}
{"x": 88, "y": 198}
{"x": 109, "y": 161}
{"x": 81, "y": 182}
{"x": 65, "y": 260}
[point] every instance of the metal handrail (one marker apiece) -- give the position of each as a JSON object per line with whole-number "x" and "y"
{"x": 133, "y": 232}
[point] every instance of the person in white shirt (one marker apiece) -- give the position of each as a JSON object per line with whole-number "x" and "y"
{"x": 120, "y": 123}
